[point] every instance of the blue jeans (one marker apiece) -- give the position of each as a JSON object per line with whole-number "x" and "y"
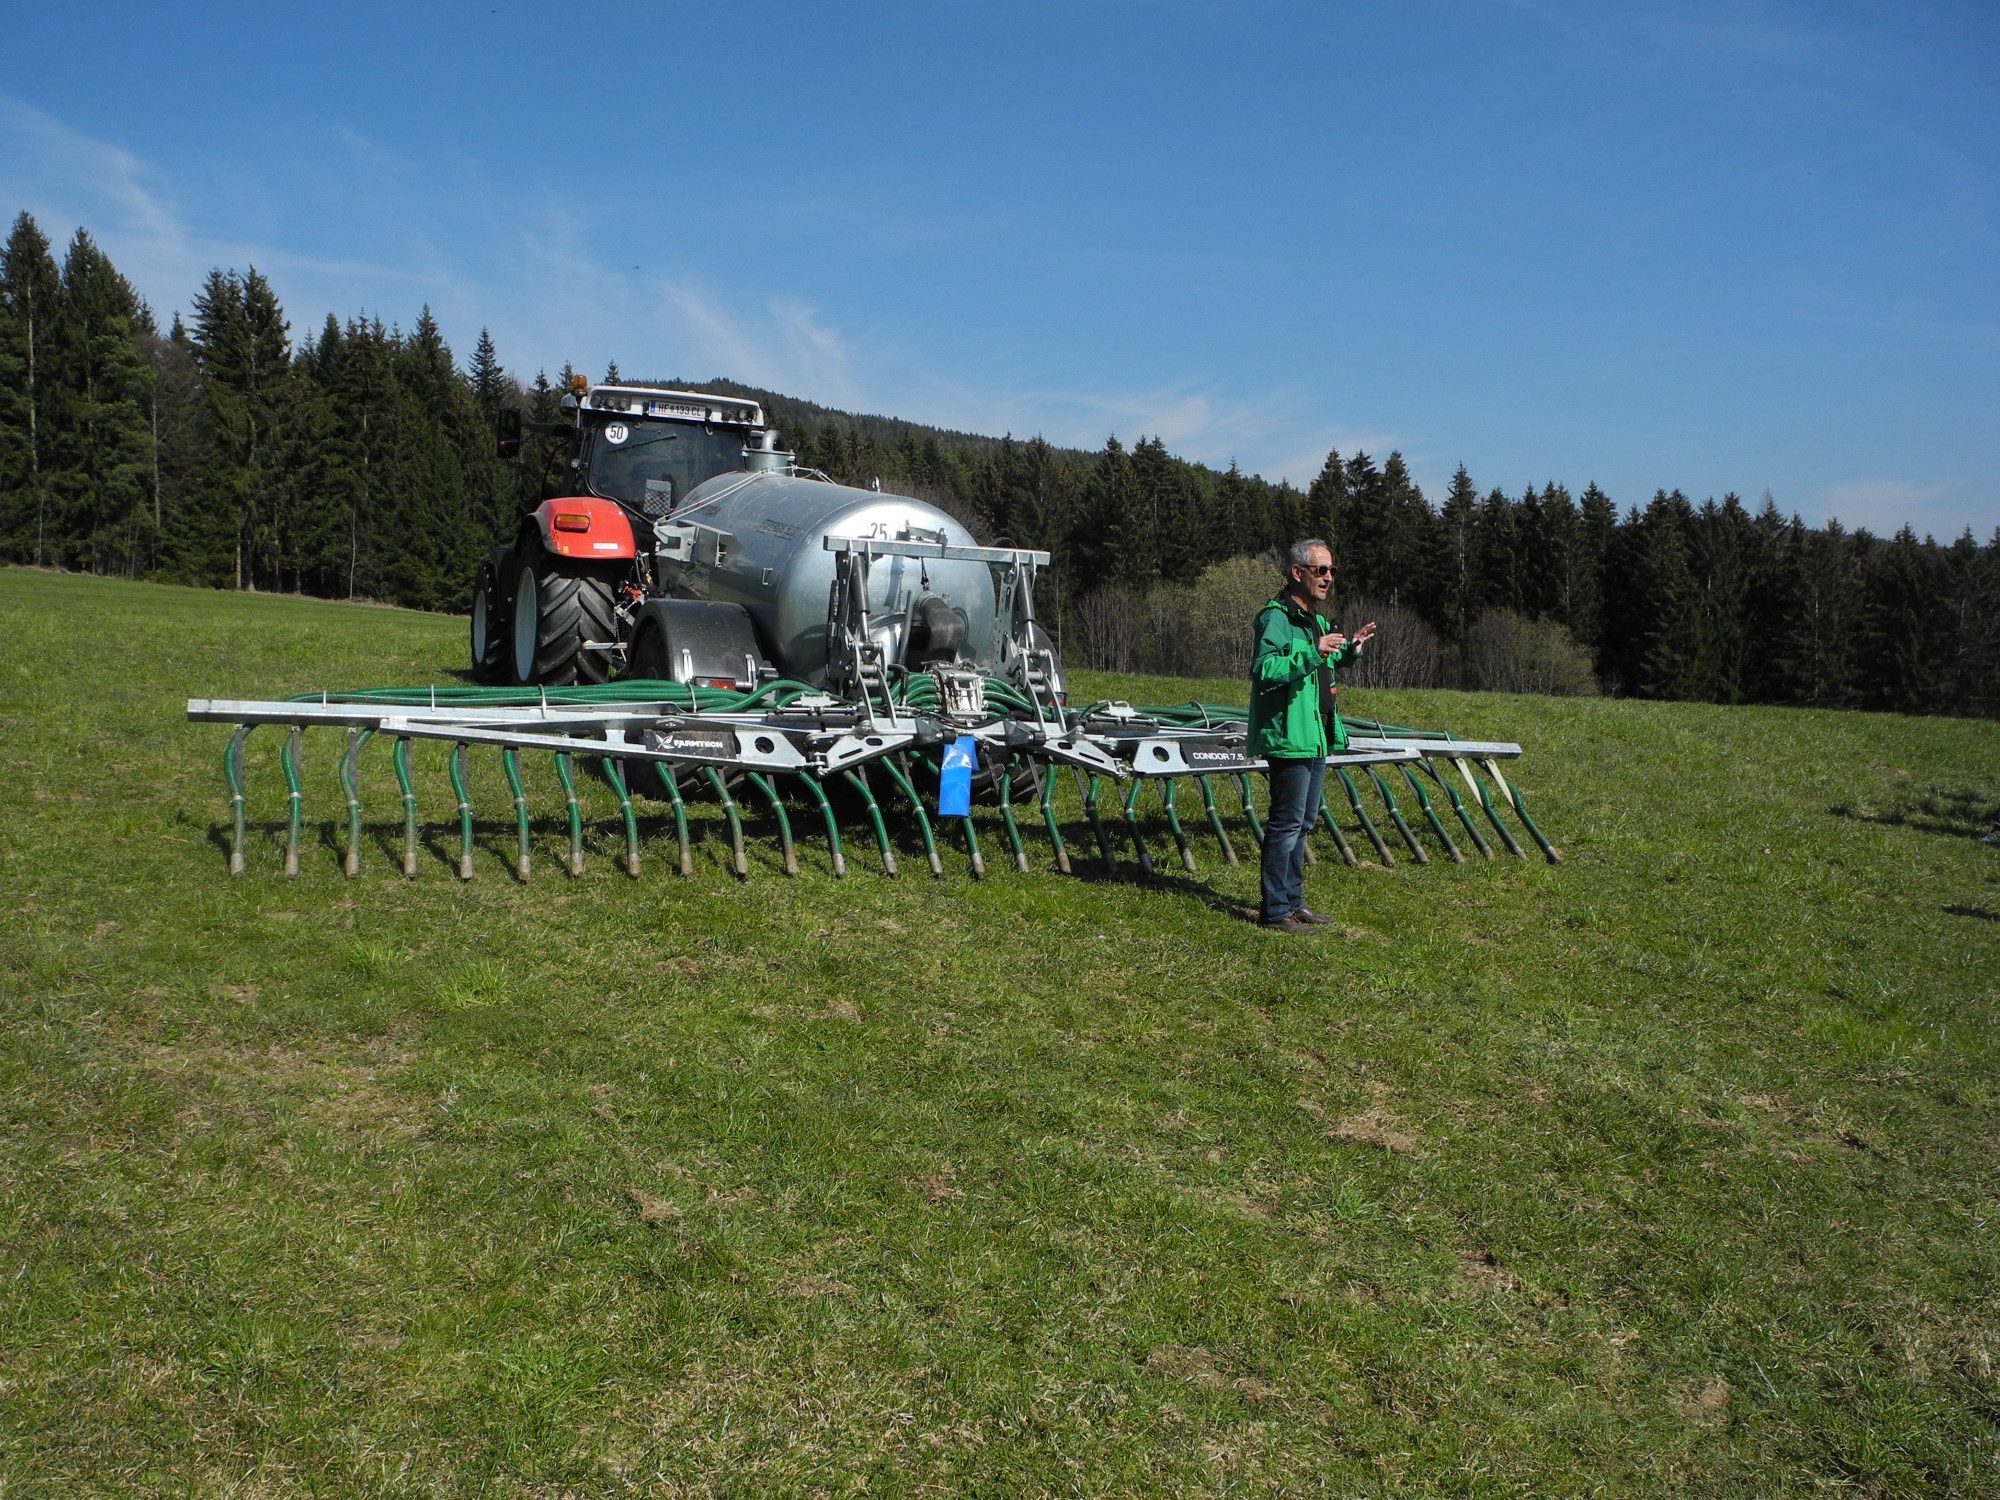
{"x": 1295, "y": 793}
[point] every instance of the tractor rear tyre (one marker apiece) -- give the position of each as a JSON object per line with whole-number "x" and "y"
{"x": 558, "y": 606}
{"x": 489, "y": 628}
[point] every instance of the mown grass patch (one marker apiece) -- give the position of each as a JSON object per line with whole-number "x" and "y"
{"x": 1669, "y": 1169}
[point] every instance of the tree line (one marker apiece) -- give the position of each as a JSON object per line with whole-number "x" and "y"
{"x": 358, "y": 462}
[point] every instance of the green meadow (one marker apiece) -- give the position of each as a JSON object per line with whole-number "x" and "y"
{"x": 1670, "y": 1169}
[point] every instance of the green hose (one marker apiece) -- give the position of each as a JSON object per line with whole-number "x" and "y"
{"x": 289, "y": 759}
{"x": 1430, "y": 813}
{"x": 1132, "y": 825}
{"x": 739, "y": 859}
{"x": 616, "y": 777}
{"x": 1097, "y": 825}
{"x": 1417, "y": 851}
{"x": 902, "y": 779}
{"x": 1215, "y": 818}
{"x": 763, "y": 785}
{"x": 464, "y": 811}
{"x": 400, "y": 758}
{"x": 860, "y": 783}
{"x": 811, "y": 784}
{"x": 568, "y": 778}
{"x": 1458, "y": 806}
{"x": 350, "y": 782}
{"x": 1360, "y": 812}
{"x": 1047, "y": 785}
{"x": 1007, "y": 819}
{"x": 665, "y": 775}
{"x": 1333, "y": 827}
{"x": 510, "y": 762}
{"x": 1174, "y": 822}
{"x": 232, "y": 771}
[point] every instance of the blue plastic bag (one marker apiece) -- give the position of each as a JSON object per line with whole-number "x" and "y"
{"x": 961, "y": 759}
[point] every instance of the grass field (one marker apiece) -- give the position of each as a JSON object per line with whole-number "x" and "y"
{"x": 1669, "y": 1170}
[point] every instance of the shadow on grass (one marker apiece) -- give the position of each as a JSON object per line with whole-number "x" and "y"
{"x": 1092, "y": 872}
{"x": 1956, "y": 813}
{"x": 1977, "y": 913}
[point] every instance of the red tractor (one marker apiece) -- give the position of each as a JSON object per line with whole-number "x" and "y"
{"x": 557, "y": 606}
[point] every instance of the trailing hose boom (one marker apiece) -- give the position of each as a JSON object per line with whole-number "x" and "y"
{"x": 699, "y": 617}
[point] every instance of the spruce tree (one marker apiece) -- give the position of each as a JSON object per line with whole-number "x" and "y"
{"x": 1667, "y": 594}
{"x": 1326, "y": 501}
{"x": 1496, "y": 560}
{"x": 243, "y": 349}
{"x": 1458, "y": 599}
{"x": 30, "y": 292}
{"x": 174, "y": 418}
{"x": 1720, "y": 544}
{"x": 1822, "y": 646}
{"x": 100, "y": 451}
{"x": 1904, "y": 626}
{"x": 1119, "y": 546}
{"x": 1770, "y": 606}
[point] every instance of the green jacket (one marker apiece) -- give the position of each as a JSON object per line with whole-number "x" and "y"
{"x": 1285, "y": 717}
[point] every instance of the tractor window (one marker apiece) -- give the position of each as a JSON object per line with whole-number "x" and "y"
{"x": 652, "y": 466}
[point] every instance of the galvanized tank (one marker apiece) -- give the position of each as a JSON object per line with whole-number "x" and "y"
{"x": 780, "y": 571}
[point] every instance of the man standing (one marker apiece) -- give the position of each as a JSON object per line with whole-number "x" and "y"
{"x": 1293, "y": 723}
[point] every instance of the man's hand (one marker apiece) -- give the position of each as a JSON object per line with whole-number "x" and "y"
{"x": 1331, "y": 642}
{"x": 1365, "y": 634}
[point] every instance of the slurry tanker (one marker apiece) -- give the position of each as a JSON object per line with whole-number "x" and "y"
{"x": 692, "y": 615}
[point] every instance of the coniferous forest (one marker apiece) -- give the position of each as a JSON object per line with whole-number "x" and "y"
{"x": 358, "y": 461}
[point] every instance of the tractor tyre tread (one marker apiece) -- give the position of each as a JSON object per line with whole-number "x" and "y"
{"x": 573, "y": 605}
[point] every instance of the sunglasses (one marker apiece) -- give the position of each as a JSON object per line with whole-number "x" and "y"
{"x": 1320, "y": 572}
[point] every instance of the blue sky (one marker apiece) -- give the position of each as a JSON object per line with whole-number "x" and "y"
{"x": 1737, "y": 247}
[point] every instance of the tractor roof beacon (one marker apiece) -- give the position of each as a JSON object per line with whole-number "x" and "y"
{"x": 770, "y": 628}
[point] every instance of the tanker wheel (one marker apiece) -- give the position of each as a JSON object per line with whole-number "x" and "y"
{"x": 489, "y": 628}
{"x": 557, "y": 607}
{"x": 648, "y": 660}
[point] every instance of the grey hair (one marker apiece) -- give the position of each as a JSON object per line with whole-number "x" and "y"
{"x": 1300, "y": 555}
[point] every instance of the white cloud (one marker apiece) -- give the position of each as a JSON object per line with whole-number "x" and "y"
{"x": 1941, "y": 508}
{"x": 66, "y": 178}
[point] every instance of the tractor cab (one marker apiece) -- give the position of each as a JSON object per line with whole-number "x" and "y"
{"x": 648, "y": 447}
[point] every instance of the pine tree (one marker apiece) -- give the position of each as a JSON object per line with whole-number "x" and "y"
{"x": 1458, "y": 600}
{"x": 1119, "y": 546}
{"x": 173, "y": 418}
{"x": 1904, "y": 629}
{"x": 1821, "y": 647}
{"x": 491, "y": 389}
{"x": 1770, "y": 605}
{"x": 1539, "y": 560}
{"x": 100, "y": 450}
{"x": 1496, "y": 562}
{"x": 1326, "y": 502}
{"x": 1407, "y": 541}
{"x": 1668, "y": 594}
{"x": 1596, "y": 524}
{"x": 1720, "y": 544}
{"x": 243, "y": 350}
{"x": 1244, "y": 524}
{"x": 30, "y": 293}
{"x": 1173, "y": 501}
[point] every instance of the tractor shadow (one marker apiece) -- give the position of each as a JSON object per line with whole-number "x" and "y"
{"x": 1976, "y": 913}
{"x": 1949, "y": 813}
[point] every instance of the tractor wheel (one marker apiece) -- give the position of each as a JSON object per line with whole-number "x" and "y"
{"x": 489, "y": 628}
{"x": 557, "y": 607}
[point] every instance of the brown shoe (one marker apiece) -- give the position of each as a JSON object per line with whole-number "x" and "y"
{"x": 1312, "y": 918}
{"x": 1283, "y": 924}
